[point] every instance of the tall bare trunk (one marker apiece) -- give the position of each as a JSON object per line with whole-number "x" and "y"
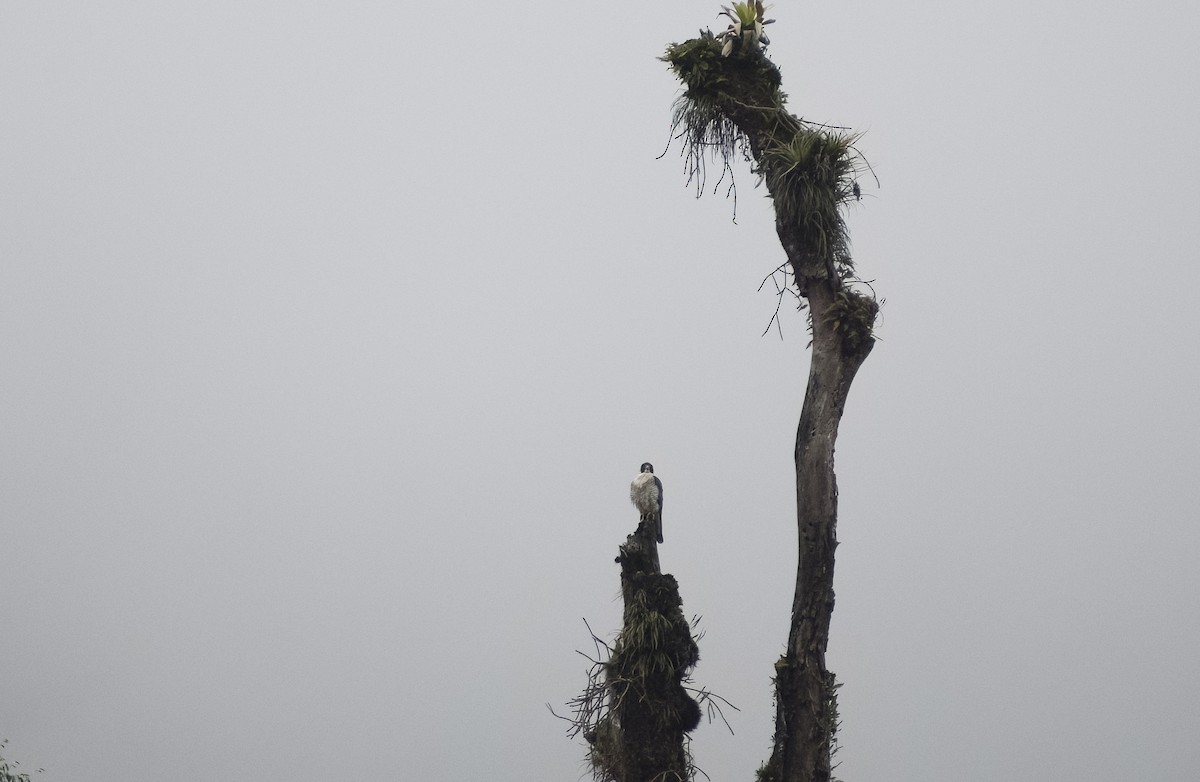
{"x": 804, "y": 718}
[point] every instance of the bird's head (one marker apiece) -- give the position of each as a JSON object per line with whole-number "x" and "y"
{"x": 648, "y": 467}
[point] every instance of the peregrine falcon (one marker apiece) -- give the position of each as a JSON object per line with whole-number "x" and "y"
{"x": 646, "y": 493}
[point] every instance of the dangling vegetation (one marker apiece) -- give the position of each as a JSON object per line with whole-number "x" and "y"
{"x": 705, "y": 118}
{"x": 733, "y": 107}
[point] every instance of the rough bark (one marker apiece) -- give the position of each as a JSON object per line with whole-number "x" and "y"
{"x": 804, "y": 687}
{"x": 805, "y": 720}
{"x": 643, "y": 738}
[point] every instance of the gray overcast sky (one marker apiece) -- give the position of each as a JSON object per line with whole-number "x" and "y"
{"x": 331, "y": 335}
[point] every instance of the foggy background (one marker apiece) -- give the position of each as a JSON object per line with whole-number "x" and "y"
{"x": 331, "y": 336}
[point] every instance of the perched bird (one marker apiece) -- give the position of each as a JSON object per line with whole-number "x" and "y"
{"x": 646, "y": 493}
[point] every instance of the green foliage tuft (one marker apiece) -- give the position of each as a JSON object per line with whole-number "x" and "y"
{"x": 6, "y": 772}
{"x": 726, "y": 81}
{"x": 638, "y": 695}
{"x": 733, "y": 106}
{"x": 852, "y": 315}
{"x": 810, "y": 176}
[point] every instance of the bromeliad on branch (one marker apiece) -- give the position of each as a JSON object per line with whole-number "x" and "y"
{"x": 745, "y": 32}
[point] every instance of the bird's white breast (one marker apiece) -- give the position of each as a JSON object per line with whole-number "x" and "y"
{"x": 644, "y": 493}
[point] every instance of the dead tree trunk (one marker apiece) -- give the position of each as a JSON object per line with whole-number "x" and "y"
{"x": 734, "y": 106}
{"x": 641, "y": 737}
{"x": 805, "y": 717}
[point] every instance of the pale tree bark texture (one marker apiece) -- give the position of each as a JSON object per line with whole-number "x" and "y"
{"x": 733, "y": 104}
